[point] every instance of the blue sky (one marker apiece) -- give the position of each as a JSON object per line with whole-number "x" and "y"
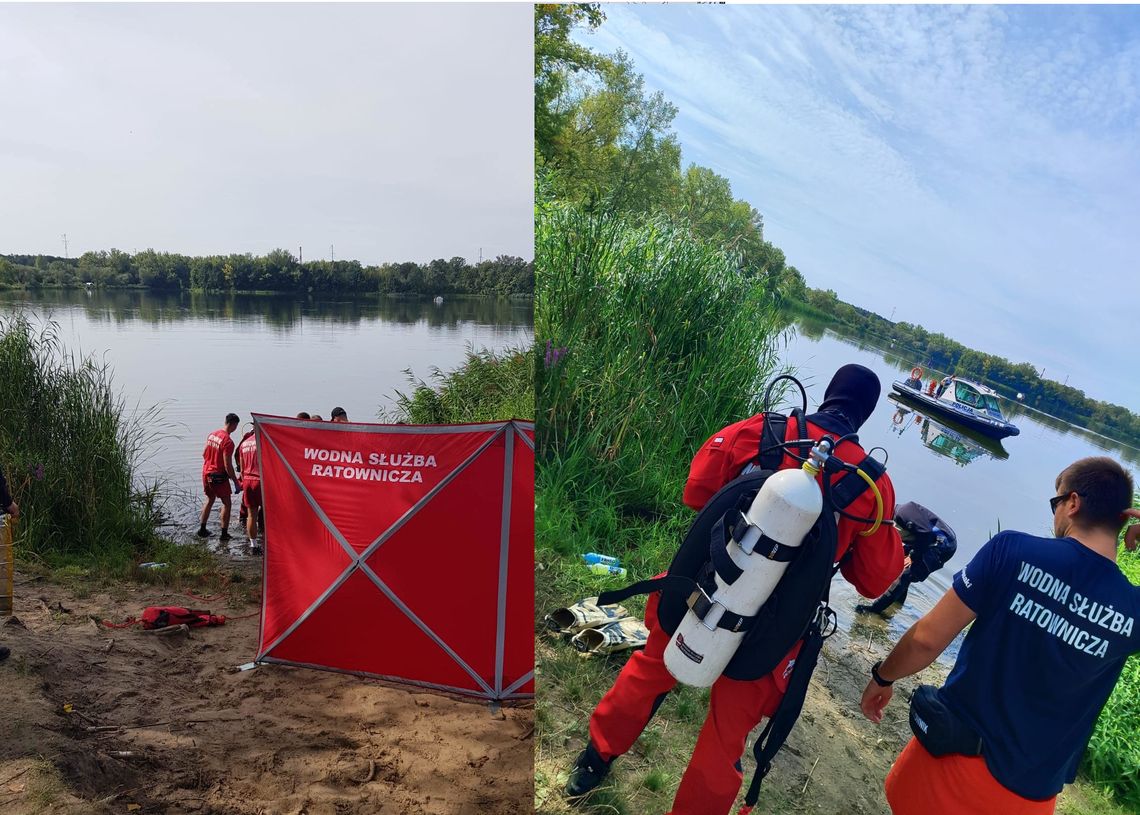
{"x": 974, "y": 169}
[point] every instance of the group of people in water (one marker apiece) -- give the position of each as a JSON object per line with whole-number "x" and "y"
{"x": 219, "y": 472}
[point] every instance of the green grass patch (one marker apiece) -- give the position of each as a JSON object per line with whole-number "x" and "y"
{"x": 71, "y": 455}
{"x": 488, "y": 386}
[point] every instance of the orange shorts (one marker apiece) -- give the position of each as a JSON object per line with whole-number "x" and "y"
{"x": 920, "y": 784}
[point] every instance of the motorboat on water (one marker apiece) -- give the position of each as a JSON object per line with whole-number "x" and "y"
{"x": 967, "y": 403}
{"x": 962, "y": 445}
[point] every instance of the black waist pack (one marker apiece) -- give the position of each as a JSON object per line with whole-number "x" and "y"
{"x": 218, "y": 478}
{"x": 937, "y": 728}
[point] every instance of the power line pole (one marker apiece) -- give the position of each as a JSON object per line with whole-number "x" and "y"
{"x": 300, "y": 256}
{"x": 65, "y": 255}
{"x": 332, "y": 253}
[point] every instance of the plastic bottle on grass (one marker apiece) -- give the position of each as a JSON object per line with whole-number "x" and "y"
{"x": 593, "y": 557}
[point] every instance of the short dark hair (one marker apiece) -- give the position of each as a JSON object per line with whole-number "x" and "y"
{"x": 303, "y": 415}
{"x": 1105, "y": 489}
{"x": 232, "y": 418}
{"x": 338, "y": 411}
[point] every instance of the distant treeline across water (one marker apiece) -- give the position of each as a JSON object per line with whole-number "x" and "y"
{"x": 941, "y": 353}
{"x": 278, "y": 271}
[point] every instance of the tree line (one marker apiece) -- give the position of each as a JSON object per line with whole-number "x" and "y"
{"x": 278, "y": 271}
{"x": 606, "y": 144}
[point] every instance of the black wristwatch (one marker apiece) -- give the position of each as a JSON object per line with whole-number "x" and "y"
{"x": 882, "y": 683}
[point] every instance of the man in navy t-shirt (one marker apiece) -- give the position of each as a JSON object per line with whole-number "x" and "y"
{"x": 1054, "y": 620}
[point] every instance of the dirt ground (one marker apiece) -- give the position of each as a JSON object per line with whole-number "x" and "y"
{"x": 97, "y": 720}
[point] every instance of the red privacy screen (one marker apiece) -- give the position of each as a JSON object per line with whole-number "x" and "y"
{"x": 402, "y": 552}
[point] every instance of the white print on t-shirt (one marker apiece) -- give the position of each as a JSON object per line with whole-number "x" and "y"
{"x": 1094, "y": 612}
{"x": 1058, "y": 626}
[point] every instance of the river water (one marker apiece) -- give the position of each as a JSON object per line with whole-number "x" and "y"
{"x": 977, "y": 489}
{"x": 198, "y": 357}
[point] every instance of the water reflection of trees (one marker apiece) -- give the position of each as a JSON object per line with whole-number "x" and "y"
{"x": 281, "y": 311}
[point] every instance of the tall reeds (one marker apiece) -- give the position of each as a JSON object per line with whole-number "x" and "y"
{"x": 70, "y": 452}
{"x": 652, "y": 341}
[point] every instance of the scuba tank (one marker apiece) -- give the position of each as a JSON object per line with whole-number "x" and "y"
{"x": 762, "y": 542}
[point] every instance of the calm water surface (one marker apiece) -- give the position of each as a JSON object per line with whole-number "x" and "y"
{"x": 978, "y": 489}
{"x": 198, "y": 357}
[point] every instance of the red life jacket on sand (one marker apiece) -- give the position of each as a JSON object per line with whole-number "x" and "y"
{"x": 164, "y": 616}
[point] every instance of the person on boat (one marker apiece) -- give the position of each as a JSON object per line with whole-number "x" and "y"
{"x": 928, "y": 543}
{"x": 338, "y": 415}
{"x": 250, "y": 487}
{"x": 303, "y": 415}
{"x": 217, "y": 473}
{"x": 1055, "y": 615}
{"x": 713, "y": 777}
{"x": 943, "y": 385}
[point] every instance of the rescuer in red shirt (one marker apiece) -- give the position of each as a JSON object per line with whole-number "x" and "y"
{"x": 250, "y": 484}
{"x": 712, "y": 779}
{"x": 217, "y": 473}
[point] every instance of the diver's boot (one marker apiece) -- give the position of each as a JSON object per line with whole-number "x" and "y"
{"x": 589, "y": 770}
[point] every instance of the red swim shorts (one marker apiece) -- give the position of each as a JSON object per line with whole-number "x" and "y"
{"x": 251, "y": 493}
{"x": 920, "y": 784}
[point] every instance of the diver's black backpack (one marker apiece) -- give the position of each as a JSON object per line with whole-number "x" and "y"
{"x": 794, "y": 603}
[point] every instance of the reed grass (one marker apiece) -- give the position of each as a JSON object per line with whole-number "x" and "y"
{"x": 487, "y": 387}
{"x": 70, "y": 453}
{"x": 651, "y": 340}
{"x": 1112, "y": 760}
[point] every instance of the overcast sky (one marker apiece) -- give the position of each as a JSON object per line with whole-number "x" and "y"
{"x": 972, "y": 169}
{"x": 394, "y": 132}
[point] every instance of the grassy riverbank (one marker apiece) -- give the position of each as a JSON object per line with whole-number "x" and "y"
{"x": 72, "y": 455}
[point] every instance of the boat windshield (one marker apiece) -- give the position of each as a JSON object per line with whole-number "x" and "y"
{"x": 991, "y": 405}
{"x": 966, "y": 395}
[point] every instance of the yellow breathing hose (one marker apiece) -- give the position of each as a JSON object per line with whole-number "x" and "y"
{"x": 810, "y": 468}
{"x": 878, "y": 504}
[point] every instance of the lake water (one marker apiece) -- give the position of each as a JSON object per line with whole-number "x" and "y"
{"x": 198, "y": 357}
{"x": 977, "y": 490}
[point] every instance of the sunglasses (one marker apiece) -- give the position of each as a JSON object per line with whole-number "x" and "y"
{"x": 1055, "y": 502}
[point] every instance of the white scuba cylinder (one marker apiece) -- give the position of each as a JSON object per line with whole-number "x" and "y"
{"x": 785, "y": 509}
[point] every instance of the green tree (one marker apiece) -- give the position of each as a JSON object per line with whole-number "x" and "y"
{"x": 556, "y": 60}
